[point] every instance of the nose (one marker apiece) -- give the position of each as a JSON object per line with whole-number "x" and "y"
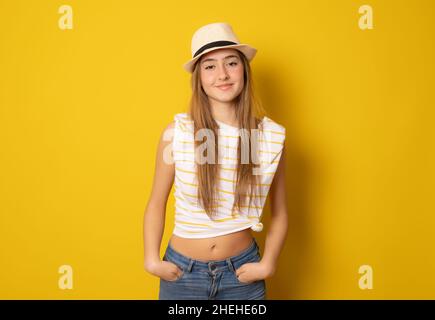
{"x": 223, "y": 74}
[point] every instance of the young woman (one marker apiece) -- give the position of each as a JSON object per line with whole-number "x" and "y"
{"x": 222, "y": 176}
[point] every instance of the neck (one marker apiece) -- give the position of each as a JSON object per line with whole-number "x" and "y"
{"x": 224, "y": 112}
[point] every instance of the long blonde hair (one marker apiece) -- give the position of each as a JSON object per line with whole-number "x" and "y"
{"x": 248, "y": 112}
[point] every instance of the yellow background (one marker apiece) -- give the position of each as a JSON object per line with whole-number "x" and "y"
{"x": 82, "y": 111}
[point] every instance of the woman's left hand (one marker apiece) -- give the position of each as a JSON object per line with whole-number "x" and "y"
{"x": 254, "y": 271}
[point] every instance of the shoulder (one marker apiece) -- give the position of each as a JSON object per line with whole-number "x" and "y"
{"x": 170, "y": 126}
{"x": 178, "y": 118}
{"x": 167, "y": 133}
{"x": 168, "y": 130}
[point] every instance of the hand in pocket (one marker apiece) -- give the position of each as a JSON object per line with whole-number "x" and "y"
{"x": 169, "y": 271}
{"x": 253, "y": 271}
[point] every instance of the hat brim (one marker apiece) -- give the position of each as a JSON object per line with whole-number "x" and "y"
{"x": 246, "y": 49}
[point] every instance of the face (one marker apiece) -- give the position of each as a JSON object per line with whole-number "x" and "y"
{"x": 219, "y": 67}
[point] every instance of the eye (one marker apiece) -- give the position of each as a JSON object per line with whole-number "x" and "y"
{"x": 233, "y": 63}
{"x": 207, "y": 67}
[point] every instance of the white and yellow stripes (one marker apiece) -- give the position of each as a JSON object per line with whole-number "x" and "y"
{"x": 191, "y": 220}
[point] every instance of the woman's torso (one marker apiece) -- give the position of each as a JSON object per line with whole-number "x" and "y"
{"x": 215, "y": 248}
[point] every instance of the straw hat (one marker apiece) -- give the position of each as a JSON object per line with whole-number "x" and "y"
{"x": 216, "y": 36}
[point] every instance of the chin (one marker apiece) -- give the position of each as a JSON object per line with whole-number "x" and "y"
{"x": 227, "y": 99}
{"x": 226, "y": 96}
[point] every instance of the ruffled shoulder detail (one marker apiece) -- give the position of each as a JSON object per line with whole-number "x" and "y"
{"x": 273, "y": 132}
{"x": 183, "y": 122}
{"x": 272, "y": 126}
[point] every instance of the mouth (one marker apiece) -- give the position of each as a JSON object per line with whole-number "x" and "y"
{"x": 225, "y": 86}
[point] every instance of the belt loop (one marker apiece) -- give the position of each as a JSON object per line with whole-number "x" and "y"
{"x": 230, "y": 265}
{"x": 191, "y": 262}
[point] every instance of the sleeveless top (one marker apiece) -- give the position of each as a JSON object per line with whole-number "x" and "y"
{"x": 191, "y": 220}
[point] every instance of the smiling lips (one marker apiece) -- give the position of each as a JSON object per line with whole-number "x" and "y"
{"x": 225, "y": 86}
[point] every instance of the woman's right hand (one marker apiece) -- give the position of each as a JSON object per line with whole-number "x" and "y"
{"x": 165, "y": 270}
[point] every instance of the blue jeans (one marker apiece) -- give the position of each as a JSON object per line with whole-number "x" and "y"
{"x": 212, "y": 280}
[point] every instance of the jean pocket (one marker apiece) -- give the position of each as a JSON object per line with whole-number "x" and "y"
{"x": 165, "y": 258}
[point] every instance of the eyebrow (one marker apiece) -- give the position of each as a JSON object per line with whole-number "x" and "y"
{"x": 210, "y": 59}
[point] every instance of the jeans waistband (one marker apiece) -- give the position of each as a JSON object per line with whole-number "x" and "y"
{"x": 213, "y": 265}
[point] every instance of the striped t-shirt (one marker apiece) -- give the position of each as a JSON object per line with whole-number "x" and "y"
{"x": 191, "y": 220}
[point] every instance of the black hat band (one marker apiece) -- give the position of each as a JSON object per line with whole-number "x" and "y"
{"x": 212, "y": 45}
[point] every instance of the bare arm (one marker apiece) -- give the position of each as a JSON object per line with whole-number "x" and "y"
{"x": 279, "y": 223}
{"x": 155, "y": 212}
{"x": 276, "y": 234}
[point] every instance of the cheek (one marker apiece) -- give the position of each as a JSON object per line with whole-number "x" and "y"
{"x": 206, "y": 79}
{"x": 238, "y": 77}
{"x": 237, "y": 74}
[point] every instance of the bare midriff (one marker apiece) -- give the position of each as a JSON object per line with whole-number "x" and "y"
{"x": 216, "y": 248}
